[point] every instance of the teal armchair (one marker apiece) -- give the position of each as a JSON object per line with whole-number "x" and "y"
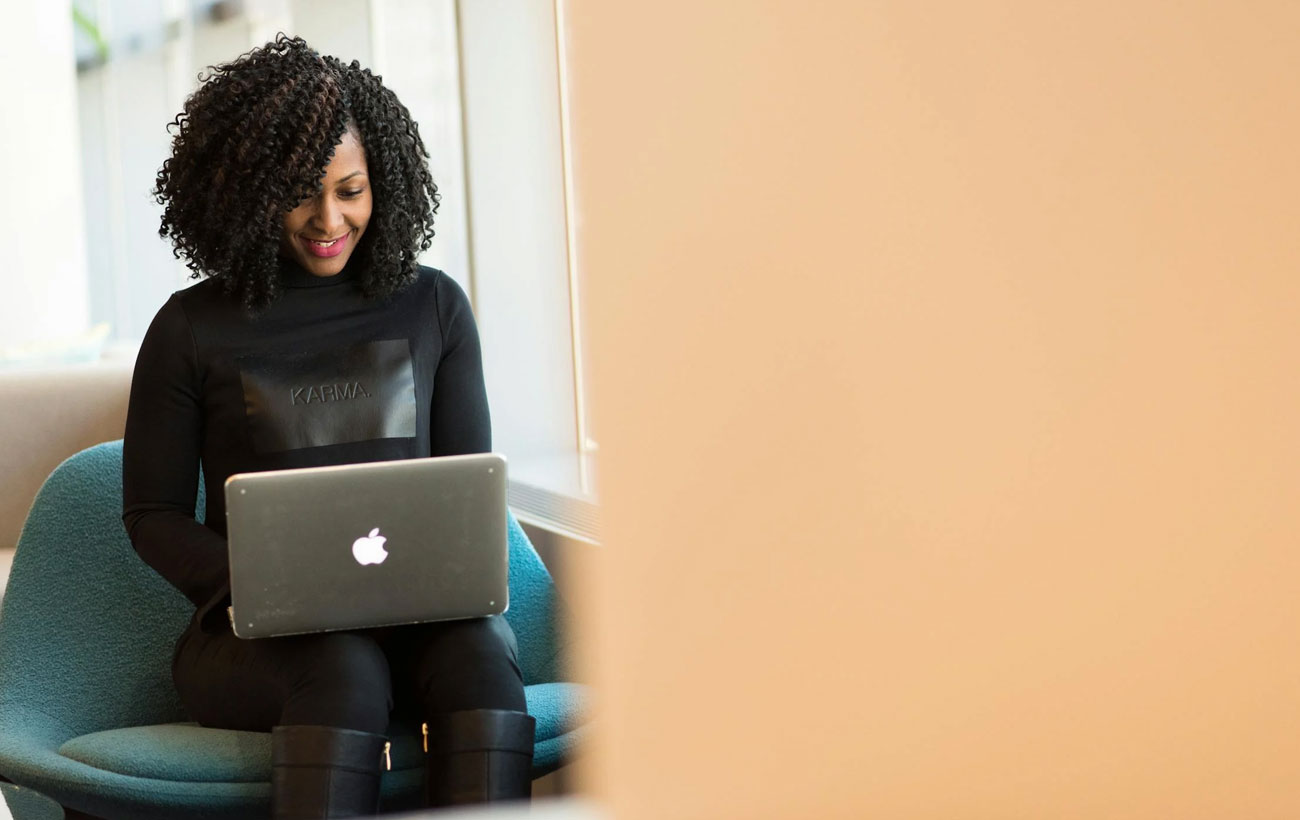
{"x": 88, "y": 713}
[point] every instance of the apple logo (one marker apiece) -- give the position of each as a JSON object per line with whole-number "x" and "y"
{"x": 369, "y": 549}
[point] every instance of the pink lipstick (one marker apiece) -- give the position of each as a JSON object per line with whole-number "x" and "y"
{"x": 325, "y": 249}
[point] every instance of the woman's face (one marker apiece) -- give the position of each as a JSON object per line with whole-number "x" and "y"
{"x": 321, "y": 233}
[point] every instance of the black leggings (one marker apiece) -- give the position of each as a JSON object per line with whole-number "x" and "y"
{"x": 348, "y": 680}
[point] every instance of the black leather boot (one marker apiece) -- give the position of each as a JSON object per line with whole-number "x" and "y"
{"x": 478, "y": 756}
{"x": 320, "y": 771}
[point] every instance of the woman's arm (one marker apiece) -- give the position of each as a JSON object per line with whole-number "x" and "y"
{"x": 160, "y": 461}
{"x": 459, "y": 422}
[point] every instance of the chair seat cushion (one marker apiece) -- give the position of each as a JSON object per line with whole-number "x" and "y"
{"x": 188, "y": 752}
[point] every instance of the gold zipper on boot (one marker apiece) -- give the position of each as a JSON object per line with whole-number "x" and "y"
{"x": 388, "y": 760}
{"x": 424, "y": 729}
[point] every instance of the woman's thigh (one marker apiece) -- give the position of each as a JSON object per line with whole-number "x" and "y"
{"x": 448, "y": 666}
{"x": 338, "y": 679}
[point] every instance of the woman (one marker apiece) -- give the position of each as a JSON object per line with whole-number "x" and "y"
{"x": 299, "y": 187}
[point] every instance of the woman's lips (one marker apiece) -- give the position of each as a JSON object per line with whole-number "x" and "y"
{"x": 332, "y": 248}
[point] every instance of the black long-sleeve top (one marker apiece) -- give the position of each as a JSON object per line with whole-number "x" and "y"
{"x": 323, "y": 376}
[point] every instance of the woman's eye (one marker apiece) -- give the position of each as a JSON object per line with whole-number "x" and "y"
{"x": 352, "y": 194}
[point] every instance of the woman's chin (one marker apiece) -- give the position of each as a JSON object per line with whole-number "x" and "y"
{"x": 323, "y": 267}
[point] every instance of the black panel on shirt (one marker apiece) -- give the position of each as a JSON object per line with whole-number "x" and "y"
{"x": 357, "y": 393}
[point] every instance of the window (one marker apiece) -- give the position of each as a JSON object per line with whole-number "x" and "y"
{"x": 525, "y": 283}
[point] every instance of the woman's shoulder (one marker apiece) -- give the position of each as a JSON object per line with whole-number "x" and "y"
{"x": 429, "y": 277}
{"x": 449, "y": 301}
{"x": 441, "y": 285}
{"x": 202, "y": 303}
{"x": 178, "y": 306}
{"x": 207, "y": 289}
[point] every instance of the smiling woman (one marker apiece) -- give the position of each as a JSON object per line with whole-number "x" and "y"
{"x": 286, "y": 153}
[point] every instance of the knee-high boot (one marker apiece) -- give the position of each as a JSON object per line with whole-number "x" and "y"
{"x": 478, "y": 756}
{"x": 320, "y": 771}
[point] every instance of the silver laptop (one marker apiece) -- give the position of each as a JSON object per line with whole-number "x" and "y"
{"x": 364, "y": 545}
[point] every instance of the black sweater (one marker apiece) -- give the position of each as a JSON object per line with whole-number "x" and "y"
{"x": 323, "y": 376}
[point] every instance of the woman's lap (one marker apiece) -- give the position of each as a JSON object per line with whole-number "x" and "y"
{"x": 347, "y": 679}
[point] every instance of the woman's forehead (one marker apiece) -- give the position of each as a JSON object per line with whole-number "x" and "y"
{"x": 349, "y": 157}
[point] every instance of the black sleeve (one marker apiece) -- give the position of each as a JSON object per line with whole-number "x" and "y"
{"x": 160, "y": 461}
{"x": 459, "y": 422}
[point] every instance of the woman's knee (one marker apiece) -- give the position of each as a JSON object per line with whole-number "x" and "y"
{"x": 342, "y": 680}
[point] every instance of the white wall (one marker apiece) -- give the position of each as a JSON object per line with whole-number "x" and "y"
{"x": 340, "y": 28}
{"x": 43, "y": 273}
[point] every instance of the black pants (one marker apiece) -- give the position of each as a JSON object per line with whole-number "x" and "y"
{"x": 348, "y": 680}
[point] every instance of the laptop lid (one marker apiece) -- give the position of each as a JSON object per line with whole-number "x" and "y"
{"x": 365, "y": 545}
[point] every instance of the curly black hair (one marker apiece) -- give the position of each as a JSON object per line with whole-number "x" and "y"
{"x": 253, "y": 142}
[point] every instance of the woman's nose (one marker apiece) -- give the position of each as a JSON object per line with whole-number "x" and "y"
{"x": 329, "y": 217}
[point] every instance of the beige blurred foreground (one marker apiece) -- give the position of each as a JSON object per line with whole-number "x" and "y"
{"x": 946, "y": 366}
